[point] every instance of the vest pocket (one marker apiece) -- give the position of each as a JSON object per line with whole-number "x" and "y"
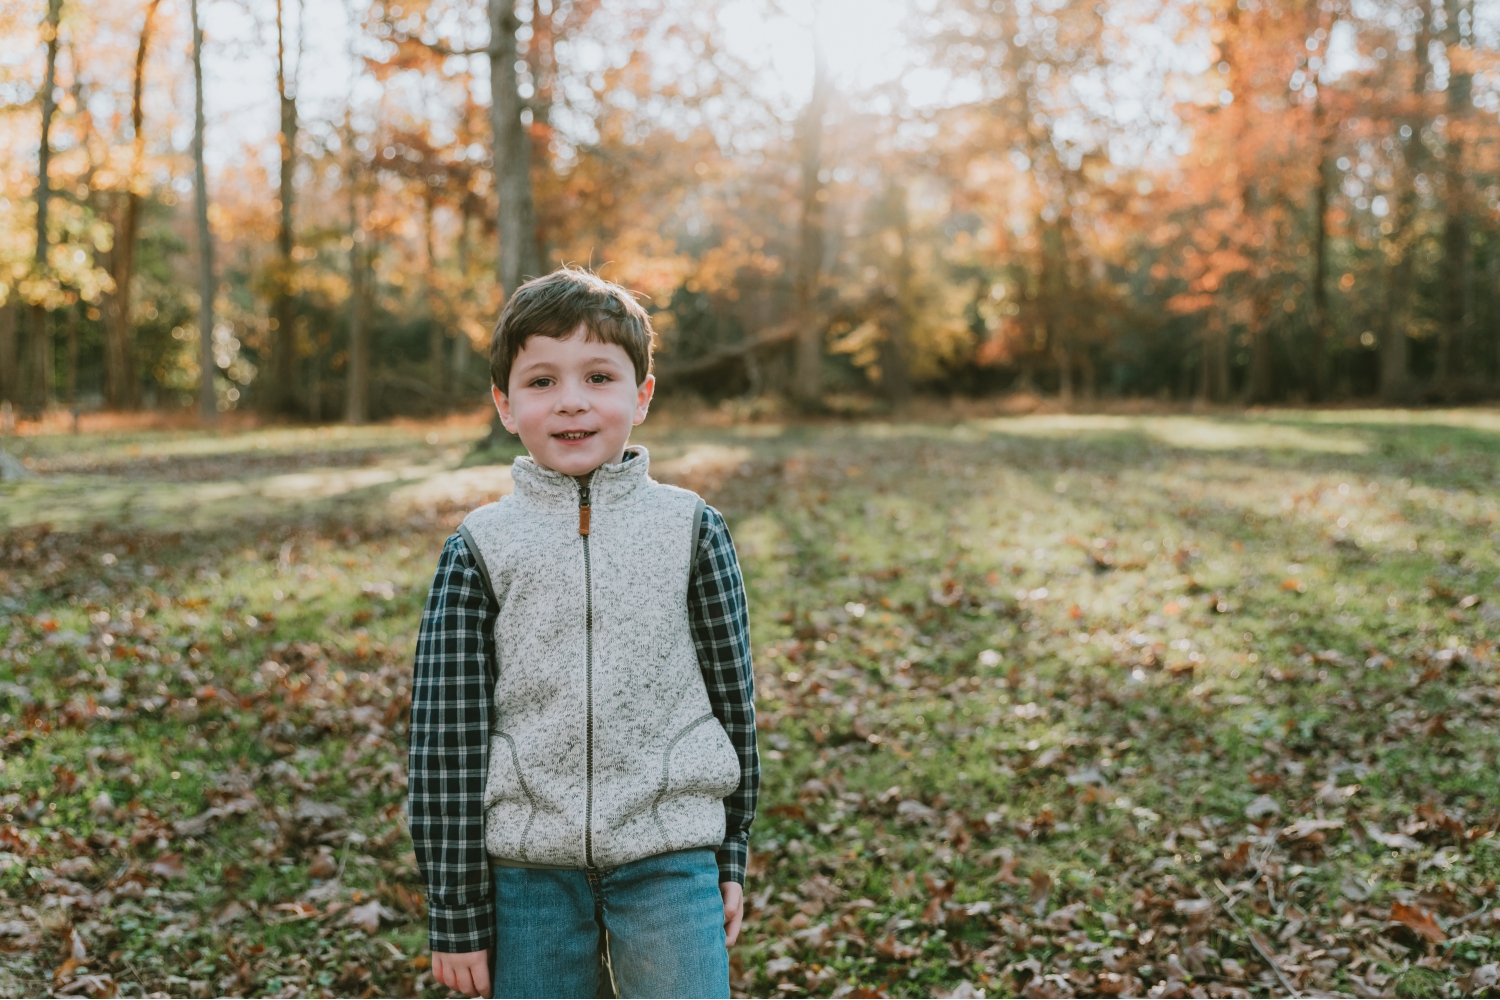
{"x": 698, "y": 762}
{"x": 509, "y": 806}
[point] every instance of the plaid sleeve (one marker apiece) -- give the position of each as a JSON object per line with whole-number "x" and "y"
{"x": 453, "y": 688}
{"x": 720, "y": 621}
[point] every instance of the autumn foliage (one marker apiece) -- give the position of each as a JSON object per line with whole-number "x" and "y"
{"x": 1234, "y": 200}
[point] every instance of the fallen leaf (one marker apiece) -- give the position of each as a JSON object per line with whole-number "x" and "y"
{"x": 1238, "y": 860}
{"x": 1485, "y": 977}
{"x": 74, "y": 867}
{"x": 890, "y": 948}
{"x": 63, "y": 973}
{"x": 168, "y": 866}
{"x": 1395, "y": 841}
{"x": 915, "y": 812}
{"x": 1261, "y": 807}
{"x": 1064, "y": 918}
{"x": 1419, "y": 921}
{"x": 317, "y": 812}
{"x": 1041, "y": 891}
{"x": 95, "y": 985}
{"x": 1304, "y": 828}
{"x": 367, "y": 917}
{"x": 234, "y": 911}
{"x": 196, "y": 826}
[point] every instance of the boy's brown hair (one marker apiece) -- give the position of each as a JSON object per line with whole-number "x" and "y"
{"x": 555, "y": 305}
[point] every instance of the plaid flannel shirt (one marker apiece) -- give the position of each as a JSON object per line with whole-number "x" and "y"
{"x": 452, "y": 702}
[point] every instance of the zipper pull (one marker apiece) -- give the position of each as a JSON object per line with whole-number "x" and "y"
{"x": 583, "y": 510}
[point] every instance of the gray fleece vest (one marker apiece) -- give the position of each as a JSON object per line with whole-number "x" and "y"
{"x": 604, "y": 748}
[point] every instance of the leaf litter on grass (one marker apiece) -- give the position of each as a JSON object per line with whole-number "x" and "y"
{"x": 1040, "y": 716}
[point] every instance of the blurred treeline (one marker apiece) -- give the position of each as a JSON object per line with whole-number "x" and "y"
{"x": 1233, "y": 200}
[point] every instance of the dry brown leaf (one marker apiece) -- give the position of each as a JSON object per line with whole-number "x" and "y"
{"x": 1305, "y": 828}
{"x": 367, "y": 916}
{"x": 297, "y": 910}
{"x": 1419, "y": 921}
{"x": 889, "y": 947}
{"x": 168, "y": 866}
{"x": 63, "y": 973}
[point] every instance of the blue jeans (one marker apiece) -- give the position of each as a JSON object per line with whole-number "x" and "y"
{"x": 664, "y": 917}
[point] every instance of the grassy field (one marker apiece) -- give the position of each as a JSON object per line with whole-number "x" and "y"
{"x": 1049, "y": 706}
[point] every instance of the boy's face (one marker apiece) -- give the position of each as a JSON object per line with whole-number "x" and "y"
{"x": 573, "y": 402}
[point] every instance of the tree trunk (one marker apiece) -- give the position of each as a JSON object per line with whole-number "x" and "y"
{"x": 1457, "y": 256}
{"x": 435, "y": 331}
{"x": 1205, "y": 369}
{"x": 807, "y": 280}
{"x": 516, "y": 216}
{"x": 1215, "y": 387}
{"x": 120, "y": 388}
{"x": 1395, "y": 384}
{"x": 9, "y": 374}
{"x": 357, "y": 390}
{"x": 1489, "y": 343}
{"x": 70, "y": 377}
{"x": 460, "y": 358}
{"x": 284, "y": 350}
{"x": 208, "y": 406}
{"x": 1063, "y": 358}
{"x": 37, "y": 392}
{"x": 1258, "y": 386}
{"x": 515, "y": 213}
{"x": 895, "y": 354}
{"x": 1317, "y": 378}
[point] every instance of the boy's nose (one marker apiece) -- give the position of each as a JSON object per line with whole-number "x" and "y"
{"x": 572, "y": 399}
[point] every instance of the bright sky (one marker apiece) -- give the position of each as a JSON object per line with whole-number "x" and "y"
{"x": 861, "y": 38}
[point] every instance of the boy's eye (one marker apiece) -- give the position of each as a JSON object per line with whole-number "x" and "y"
{"x": 599, "y": 378}
{"x": 541, "y": 383}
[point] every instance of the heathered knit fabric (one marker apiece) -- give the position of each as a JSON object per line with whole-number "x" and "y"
{"x": 655, "y": 773}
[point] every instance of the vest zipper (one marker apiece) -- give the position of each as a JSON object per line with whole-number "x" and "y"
{"x": 588, "y": 625}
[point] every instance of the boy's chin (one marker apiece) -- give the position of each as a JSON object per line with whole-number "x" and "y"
{"x": 573, "y": 463}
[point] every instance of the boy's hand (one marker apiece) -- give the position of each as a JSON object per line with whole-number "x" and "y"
{"x": 467, "y": 972}
{"x": 734, "y": 911}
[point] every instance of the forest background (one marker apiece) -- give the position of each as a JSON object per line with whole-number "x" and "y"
{"x": 835, "y": 205}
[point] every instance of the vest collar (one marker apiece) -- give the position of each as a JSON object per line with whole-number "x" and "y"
{"x": 612, "y": 485}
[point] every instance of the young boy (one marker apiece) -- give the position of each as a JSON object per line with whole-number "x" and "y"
{"x": 583, "y": 769}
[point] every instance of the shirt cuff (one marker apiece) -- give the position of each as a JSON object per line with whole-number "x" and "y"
{"x": 460, "y": 929}
{"x": 733, "y": 857}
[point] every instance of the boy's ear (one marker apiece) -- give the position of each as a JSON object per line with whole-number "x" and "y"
{"x": 643, "y": 394}
{"x": 502, "y": 407}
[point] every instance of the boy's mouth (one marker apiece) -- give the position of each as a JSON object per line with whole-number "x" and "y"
{"x": 574, "y": 435}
